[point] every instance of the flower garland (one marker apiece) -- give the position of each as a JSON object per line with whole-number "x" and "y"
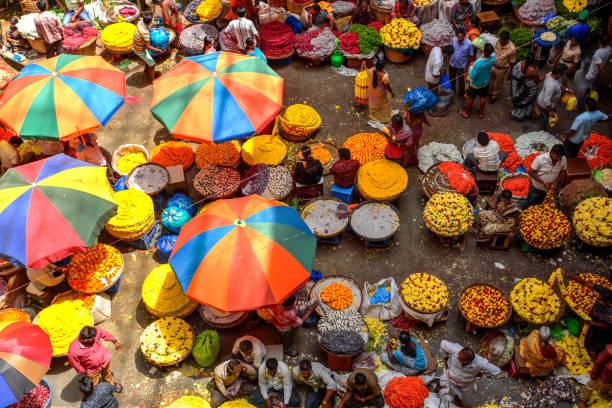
{"x": 215, "y": 182}
{"x": 172, "y": 154}
{"x": 94, "y": 269}
{"x": 361, "y": 88}
{"x": 82, "y": 299}
{"x": 118, "y": 36}
{"x": 577, "y": 359}
{"x": 534, "y": 142}
{"x": 518, "y": 185}
{"x": 300, "y": 120}
{"x": 167, "y": 341}
{"x": 575, "y": 6}
{"x": 535, "y": 301}
{"x": 209, "y": 10}
{"x": 578, "y": 297}
{"x": 381, "y": 180}
{"x": 337, "y": 296}
{"x": 401, "y": 34}
{"x": 513, "y": 161}
{"x": 38, "y": 397}
{"x": 219, "y": 154}
{"x": 543, "y": 226}
{"x": 378, "y": 25}
{"x": 369, "y": 38}
{"x": 437, "y": 33}
{"x": 458, "y": 178}
{"x": 377, "y": 331}
{"x": 593, "y": 221}
{"x": 349, "y": 43}
{"x": 435, "y": 153}
{"x": 63, "y": 322}
{"x": 241, "y": 403}
{"x": 484, "y": 305}
{"x": 190, "y": 401}
{"x": 163, "y": 295}
{"x": 366, "y": 147}
{"x": 135, "y": 215}
{"x": 127, "y": 163}
{"x": 277, "y": 39}
{"x": 319, "y": 152}
{"x": 265, "y": 149}
{"x": 448, "y": 214}
{"x": 597, "y": 149}
{"x": 405, "y": 392}
{"x": 529, "y": 160}
{"x": 424, "y": 292}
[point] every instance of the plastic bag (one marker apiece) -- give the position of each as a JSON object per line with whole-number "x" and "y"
{"x": 445, "y": 81}
{"x": 159, "y": 38}
{"x": 173, "y": 219}
{"x": 165, "y": 244}
{"x": 419, "y": 100}
{"x": 206, "y": 348}
{"x": 381, "y": 311}
{"x": 365, "y": 360}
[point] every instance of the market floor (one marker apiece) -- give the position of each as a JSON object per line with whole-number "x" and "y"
{"x": 414, "y": 249}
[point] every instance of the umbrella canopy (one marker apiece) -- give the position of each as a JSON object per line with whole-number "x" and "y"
{"x": 243, "y": 254}
{"x": 217, "y": 97}
{"x": 25, "y": 356}
{"x": 52, "y": 208}
{"x": 62, "y": 97}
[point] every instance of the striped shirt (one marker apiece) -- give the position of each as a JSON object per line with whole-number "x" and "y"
{"x": 487, "y": 156}
{"x": 141, "y": 37}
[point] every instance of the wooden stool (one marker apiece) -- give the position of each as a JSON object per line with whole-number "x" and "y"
{"x": 501, "y": 241}
{"x": 309, "y": 191}
{"x": 489, "y": 20}
{"x": 523, "y": 370}
{"x": 486, "y": 182}
{"x": 577, "y": 168}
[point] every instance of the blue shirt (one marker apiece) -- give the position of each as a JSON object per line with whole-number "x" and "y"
{"x": 257, "y": 53}
{"x": 481, "y": 72}
{"x": 462, "y": 52}
{"x": 417, "y": 363}
{"x": 583, "y": 123}
{"x": 579, "y": 31}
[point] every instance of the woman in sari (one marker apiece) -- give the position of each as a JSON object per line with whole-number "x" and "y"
{"x": 379, "y": 90}
{"x": 540, "y": 356}
{"x": 401, "y": 146}
{"x": 409, "y": 359}
{"x": 415, "y": 121}
{"x": 503, "y": 219}
{"x": 524, "y": 88}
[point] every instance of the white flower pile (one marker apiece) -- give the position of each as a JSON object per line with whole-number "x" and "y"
{"x": 435, "y": 153}
{"x": 534, "y": 142}
{"x": 437, "y": 33}
{"x": 26, "y": 26}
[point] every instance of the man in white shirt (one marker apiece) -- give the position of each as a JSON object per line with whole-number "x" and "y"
{"x": 486, "y": 155}
{"x": 250, "y": 350}
{"x": 241, "y": 29}
{"x": 321, "y": 386}
{"x": 275, "y": 386}
{"x": 437, "y": 65}
{"x": 550, "y": 94}
{"x": 462, "y": 368}
{"x": 233, "y": 380}
{"x": 547, "y": 172}
{"x": 9, "y": 156}
{"x": 597, "y": 67}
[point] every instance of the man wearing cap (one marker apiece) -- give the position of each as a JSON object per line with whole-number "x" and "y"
{"x": 580, "y": 31}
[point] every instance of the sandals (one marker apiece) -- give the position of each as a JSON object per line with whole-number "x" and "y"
{"x": 463, "y": 114}
{"x": 118, "y": 388}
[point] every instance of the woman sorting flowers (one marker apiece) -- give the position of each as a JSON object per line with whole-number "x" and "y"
{"x": 503, "y": 219}
{"x": 401, "y": 146}
{"x": 409, "y": 358}
{"x": 540, "y": 356}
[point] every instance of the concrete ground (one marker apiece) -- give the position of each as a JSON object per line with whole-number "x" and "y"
{"x": 414, "y": 249}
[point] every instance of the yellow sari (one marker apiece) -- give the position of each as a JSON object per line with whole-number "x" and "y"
{"x": 532, "y": 354}
{"x": 380, "y": 109}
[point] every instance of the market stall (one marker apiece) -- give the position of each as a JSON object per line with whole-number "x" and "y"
{"x": 426, "y": 10}
{"x": 485, "y": 306}
{"x": 424, "y": 298}
{"x": 327, "y": 218}
{"x": 448, "y": 177}
{"x": 375, "y": 223}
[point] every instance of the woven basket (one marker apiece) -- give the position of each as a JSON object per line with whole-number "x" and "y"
{"x": 113, "y": 281}
{"x": 485, "y": 343}
{"x": 110, "y": 14}
{"x": 184, "y": 312}
{"x": 29, "y": 6}
{"x": 380, "y": 13}
{"x": 287, "y": 135}
{"x": 434, "y": 182}
{"x": 278, "y": 3}
{"x": 517, "y": 199}
{"x": 577, "y": 191}
{"x": 101, "y": 309}
{"x": 239, "y": 317}
{"x": 395, "y": 56}
{"x": 426, "y": 49}
{"x": 38, "y": 45}
{"x": 315, "y": 292}
{"x": 520, "y": 319}
{"x": 127, "y": 149}
{"x": 508, "y": 313}
{"x": 89, "y": 47}
{"x": 15, "y": 286}
{"x": 297, "y": 8}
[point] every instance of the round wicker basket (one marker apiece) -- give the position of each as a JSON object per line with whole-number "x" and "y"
{"x": 114, "y": 280}
{"x": 505, "y": 295}
{"x": 520, "y": 319}
{"x": 380, "y": 13}
{"x": 315, "y": 292}
{"x": 214, "y": 319}
{"x": 127, "y": 149}
{"x": 297, "y": 8}
{"x": 426, "y": 49}
{"x": 38, "y": 45}
{"x": 396, "y": 56}
{"x": 403, "y": 302}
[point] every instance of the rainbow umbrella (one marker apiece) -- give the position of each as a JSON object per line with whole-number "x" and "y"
{"x": 243, "y": 254}
{"x": 62, "y": 97}
{"x": 220, "y": 96}
{"x": 52, "y": 208}
{"x": 25, "y": 357}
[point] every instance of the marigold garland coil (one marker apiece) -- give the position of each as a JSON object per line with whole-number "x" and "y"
{"x": 381, "y": 180}
{"x": 265, "y": 149}
{"x": 118, "y": 37}
{"x": 484, "y": 306}
{"x": 529, "y": 160}
{"x": 513, "y": 161}
{"x": 597, "y": 149}
{"x": 337, "y": 296}
{"x": 577, "y": 359}
{"x": 319, "y": 152}
{"x": 448, "y": 214}
{"x": 190, "y": 401}
{"x": 578, "y": 297}
{"x": 63, "y": 322}
{"x": 209, "y": 10}
{"x": 593, "y": 221}
{"x": 366, "y": 147}
{"x": 401, "y": 34}
{"x": 424, "y": 292}
{"x": 300, "y": 120}
{"x": 135, "y": 215}
{"x": 405, "y": 392}
{"x": 518, "y": 186}
{"x": 575, "y": 6}
{"x": 535, "y": 301}
{"x": 378, "y": 332}
{"x": 127, "y": 163}
{"x": 94, "y": 269}
{"x": 241, "y": 403}
{"x": 14, "y": 315}
{"x": 163, "y": 295}
{"x": 167, "y": 341}
{"x": 82, "y": 299}
{"x": 172, "y": 154}
{"x": 220, "y": 154}
{"x": 543, "y": 226}
{"x": 458, "y": 178}
{"x": 361, "y": 88}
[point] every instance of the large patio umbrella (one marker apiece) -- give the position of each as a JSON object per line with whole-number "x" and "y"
{"x": 62, "y": 97}
{"x": 243, "y": 253}
{"x": 217, "y": 97}
{"x": 52, "y": 208}
{"x": 25, "y": 357}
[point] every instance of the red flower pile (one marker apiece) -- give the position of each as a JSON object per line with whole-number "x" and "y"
{"x": 349, "y": 42}
{"x": 78, "y": 35}
{"x": 459, "y": 179}
{"x": 277, "y": 39}
{"x": 301, "y": 1}
{"x": 37, "y": 398}
{"x": 513, "y": 161}
{"x": 519, "y": 186}
{"x": 405, "y": 392}
{"x": 597, "y": 149}
{"x": 529, "y": 160}
{"x": 302, "y": 41}
{"x": 377, "y": 25}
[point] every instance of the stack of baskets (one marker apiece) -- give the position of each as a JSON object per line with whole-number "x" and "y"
{"x": 380, "y": 13}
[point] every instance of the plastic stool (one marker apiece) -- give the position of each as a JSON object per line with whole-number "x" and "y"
{"x": 344, "y": 194}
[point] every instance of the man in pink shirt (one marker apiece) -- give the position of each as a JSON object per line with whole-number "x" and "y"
{"x": 88, "y": 356}
{"x": 286, "y": 320}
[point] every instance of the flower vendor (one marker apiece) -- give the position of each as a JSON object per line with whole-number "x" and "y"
{"x": 249, "y": 349}
{"x": 99, "y": 396}
{"x": 550, "y": 96}
{"x": 15, "y": 42}
{"x": 233, "y": 380}
{"x": 401, "y": 147}
{"x": 75, "y": 11}
{"x": 319, "y": 18}
{"x": 275, "y": 386}
{"x": 249, "y": 10}
{"x": 49, "y": 28}
{"x": 415, "y": 120}
{"x": 88, "y": 356}
{"x": 570, "y": 55}
{"x": 404, "y": 9}
{"x": 601, "y": 377}
{"x": 596, "y": 68}
{"x": 240, "y": 29}
{"x": 505, "y": 52}
{"x": 252, "y": 50}
{"x": 86, "y": 148}
{"x": 480, "y": 76}
{"x": 363, "y": 14}
{"x": 461, "y": 13}
{"x": 363, "y": 390}
{"x": 172, "y": 16}
{"x": 286, "y": 320}
{"x": 9, "y": 156}
{"x": 581, "y": 127}
{"x": 524, "y": 88}
{"x": 548, "y": 172}
{"x": 308, "y": 170}
{"x": 475, "y": 30}
{"x": 409, "y": 359}
{"x": 462, "y": 368}
{"x": 345, "y": 169}
{"x": 502, "y": 219}
{"x": 379, "y": 90}
{"x": 142, "y": 45}
{"x": 321, "y": 386}
{"x": 540, "y": 356}
{"x": 459, "y": 61}
{"x": 581, "y": 30}
{"x": 208, "y": 45}
{"x": 486, "y": 156}
{"x": 437, "y": 64}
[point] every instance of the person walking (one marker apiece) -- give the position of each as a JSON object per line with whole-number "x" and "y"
{"x": 461, "y": 58}
{"x": 240, "y": 29}
{"x": 379, "y": 90}
{"x": 480, "y": 76}
{"x": 49, "y": 28}
{"x": 437, "y": 64}
{"x": 285, "y": 318}
{"x": 596, "y": 68}
{"x": 550, "y": 95}
{"x": 581, "y": 128}
{"x": 524, "y": 88}
{"x": 88, "y": 356}
{"x": 548, "y": 172}
{"x": 505, "y": 58}
{"x": 142, "y": 45}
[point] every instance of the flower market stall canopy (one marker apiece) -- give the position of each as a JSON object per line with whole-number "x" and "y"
{"x": 217, "y": 97}
{"x": 62, "y": 97}
{"x": 25, "y": 357}
{"x": 52, "y": 208}
{"x": 243, "y": 254}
